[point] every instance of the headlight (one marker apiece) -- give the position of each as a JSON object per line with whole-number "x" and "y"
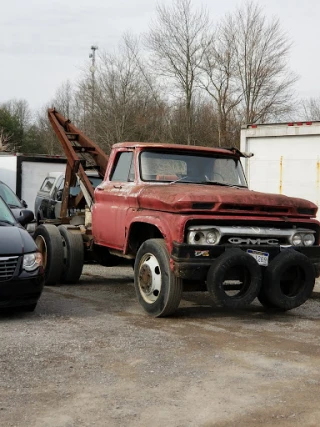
{"x": 203, "y": 235}
{"x": 32, "y": 261}
{"x": 212, "y": 237}
{"x": 297, "y": 240}
{"x": 196, "y": 238}
{"x": 302, "y": 239}
{"x": 308, "y": 239}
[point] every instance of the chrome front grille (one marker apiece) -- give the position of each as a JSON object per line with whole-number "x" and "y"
{"x": 7, "y": 267}
{"x": 247, "y": 235}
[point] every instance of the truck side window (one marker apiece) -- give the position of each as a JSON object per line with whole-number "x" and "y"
{"x": 47, "y": 185}
{"x": 123, "y": 167}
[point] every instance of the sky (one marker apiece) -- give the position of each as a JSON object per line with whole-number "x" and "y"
{"x": 44, "y": 43}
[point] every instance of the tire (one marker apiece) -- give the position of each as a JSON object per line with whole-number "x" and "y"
{"x": 48, "y": 240}
{"x": 38, "y": 218}
{"x": 28, "y": 308}
{"x": 237, "y": 271}
{"x": 158, "y": 290}
{"x": 73, "y": 255}
{"x": 265, "y": 301}
{"x": 288, "y": 280}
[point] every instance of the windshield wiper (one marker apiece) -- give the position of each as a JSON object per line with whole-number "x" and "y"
{"x": 6, "y": 222}
{"x": 206, "y": 182}
{"x": 223, "y": 184}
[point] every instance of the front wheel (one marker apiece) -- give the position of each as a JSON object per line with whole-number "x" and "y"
{"x": 158, "y": 290}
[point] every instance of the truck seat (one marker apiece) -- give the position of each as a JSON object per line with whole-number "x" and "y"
{"x": 166, "y": 177}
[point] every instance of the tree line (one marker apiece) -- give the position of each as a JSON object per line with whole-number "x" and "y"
{"x": 186, "y": 81}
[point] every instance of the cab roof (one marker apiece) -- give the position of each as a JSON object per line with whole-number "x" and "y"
{"x": 179, "y": 147}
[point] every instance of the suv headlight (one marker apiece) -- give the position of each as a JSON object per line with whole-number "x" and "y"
{"x": 203, "y": 236}
{"x": 32, "y": 261}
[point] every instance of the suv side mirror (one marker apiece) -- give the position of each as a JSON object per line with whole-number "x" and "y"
{"x": 25, "y": 216}
{"x": 24, "y": 204}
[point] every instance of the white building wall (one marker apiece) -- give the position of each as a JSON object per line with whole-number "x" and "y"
{"x": 287, "y": 164}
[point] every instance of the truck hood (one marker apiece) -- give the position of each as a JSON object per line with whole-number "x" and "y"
{"x": 221, "y": 200}
{"x": 15, "y": 241}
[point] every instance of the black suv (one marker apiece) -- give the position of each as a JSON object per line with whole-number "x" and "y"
{"x": 21, "y": 268}
{"x": 16, "y": 205}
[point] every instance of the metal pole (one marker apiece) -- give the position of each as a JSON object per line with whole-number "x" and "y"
{"x": 93, "y": 69}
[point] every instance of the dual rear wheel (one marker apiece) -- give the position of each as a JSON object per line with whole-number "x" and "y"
{"x": 62, "y": 252}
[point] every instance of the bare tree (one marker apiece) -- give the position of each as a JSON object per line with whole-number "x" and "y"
{"x": 47, "y": 140}
{"x": 310, "y": 109}
{"x": 262, "y": 51}
{"x": 126, "y": 106}
{"x": 178, "y": 40}
{"x": 5, "y": 141}
{"x": 153, "y": 88}
{"x": 117, "y": 88}
{"x": 219, "y": 79}
{"x": 63, "y": 100}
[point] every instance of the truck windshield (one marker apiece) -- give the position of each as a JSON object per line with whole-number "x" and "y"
{"x": 191, "y": 168}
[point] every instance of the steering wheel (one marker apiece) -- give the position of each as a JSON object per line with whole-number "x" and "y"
{"x": 219, "y": 175}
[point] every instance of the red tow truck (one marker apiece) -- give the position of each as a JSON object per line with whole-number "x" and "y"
{"x": 185, "y": 218}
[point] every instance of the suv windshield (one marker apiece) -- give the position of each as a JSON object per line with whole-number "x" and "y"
{"x": 191, "y": 168}
{"x": 9, "y": 197}
{"x": 5, "y": 214}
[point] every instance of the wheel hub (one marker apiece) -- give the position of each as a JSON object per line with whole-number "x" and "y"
{"x": 145, "y": 278}
{"x": 41, "y": 244}
{"x": 149, "y": 278}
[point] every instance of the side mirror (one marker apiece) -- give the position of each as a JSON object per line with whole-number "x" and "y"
{"x": 24, "y": 216}
{"x": 24, "y": 204}
{"x": 59, "y": 195}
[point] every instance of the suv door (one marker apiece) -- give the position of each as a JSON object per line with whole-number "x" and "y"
{"x": 44, "y": 203}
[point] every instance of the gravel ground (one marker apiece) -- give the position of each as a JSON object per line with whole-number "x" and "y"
{"x": 89, "y": 356}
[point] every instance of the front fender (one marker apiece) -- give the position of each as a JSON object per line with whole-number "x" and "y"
{"x": 167, "y": 225}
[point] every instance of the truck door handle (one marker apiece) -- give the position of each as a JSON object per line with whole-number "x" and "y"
{"x": 117, "y": 186}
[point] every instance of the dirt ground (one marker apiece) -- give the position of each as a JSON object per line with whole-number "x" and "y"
{"x": 89, "y": 356}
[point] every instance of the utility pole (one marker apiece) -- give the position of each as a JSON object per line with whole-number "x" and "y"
{"x": 93, "y": 70}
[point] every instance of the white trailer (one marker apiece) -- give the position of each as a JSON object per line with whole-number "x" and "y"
{"x": 286, "y": 158}
{"x": 25, "y": 173}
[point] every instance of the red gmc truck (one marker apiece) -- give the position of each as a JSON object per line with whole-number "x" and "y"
{"x": 186, "y": 219}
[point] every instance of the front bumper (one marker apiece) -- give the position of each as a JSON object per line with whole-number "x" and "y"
{"x": 192, "y": 262}
{"x": 22, "y": 290}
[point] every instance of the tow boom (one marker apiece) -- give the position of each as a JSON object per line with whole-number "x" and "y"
{"x": 82, "y": 154}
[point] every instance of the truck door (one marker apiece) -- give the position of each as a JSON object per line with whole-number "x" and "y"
{"x": 112, "y": 200}
{"x": 43, "y": 205}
